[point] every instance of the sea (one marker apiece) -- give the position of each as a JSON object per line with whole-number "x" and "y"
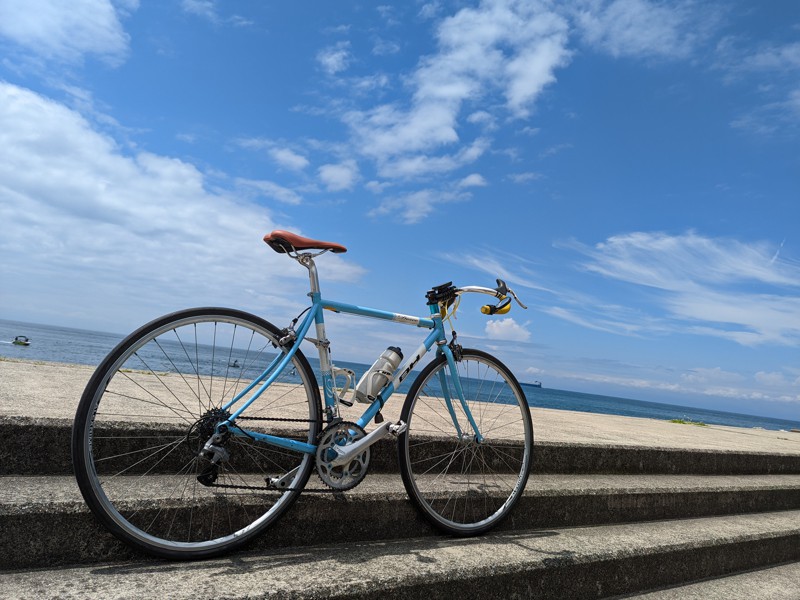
{"x": 67, "y": 345}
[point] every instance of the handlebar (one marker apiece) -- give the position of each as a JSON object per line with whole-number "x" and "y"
{"x": 502, "y": 291}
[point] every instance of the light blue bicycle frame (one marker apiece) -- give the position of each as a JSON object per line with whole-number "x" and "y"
{"x": 436, "y": 338}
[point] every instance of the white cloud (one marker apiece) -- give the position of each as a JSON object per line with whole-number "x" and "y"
{"x": 642, "y": 28}
{"x": 712, "y": 376}
{"x": 553, "y": 150}
{"x": 772, "y": 70}
{"x": 415, "y": 206}
{"x": 277, "y": 151}
{"x": 430, "y": 10}
{"x": 289, "y": 158}
{"x": 414, "y": 166}
{"x": 270, "y": 189}
{"x": 335, "y": 59}
{"x": 507, "y": 329}
{"x": 383, "y": 47}
{"x": 119, "y": 238}
{"x": 738, "y": 59}
{"x": 339, "y": 177}
{"x": 206, "y": 9}
{"x": 526, "y": 177}
{"x": 772, "y": 379}
{"x": 504, "y": 47}
{"x": 66, "y": 31}
{"x": 483, "y": 118}
{"x": 473, "y": 180}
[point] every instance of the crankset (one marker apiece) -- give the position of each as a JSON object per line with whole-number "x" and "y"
{"x": 331, "y": 469}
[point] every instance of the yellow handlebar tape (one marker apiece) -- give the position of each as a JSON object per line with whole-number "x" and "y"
{"x": 488, "y": 309}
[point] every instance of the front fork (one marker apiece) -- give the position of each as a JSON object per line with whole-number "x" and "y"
{"x": 452, "y": 353}
{"x": 458, "y": 391}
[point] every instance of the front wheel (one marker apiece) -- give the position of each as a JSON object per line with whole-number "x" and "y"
{"x": 462, "y": 480}
{"x": 151, "y": 406}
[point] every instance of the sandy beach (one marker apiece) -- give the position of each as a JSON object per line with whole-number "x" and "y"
{"x": 52, "y": 390}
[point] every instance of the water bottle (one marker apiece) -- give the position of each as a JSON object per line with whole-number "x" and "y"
{"x": 378, "y": 375}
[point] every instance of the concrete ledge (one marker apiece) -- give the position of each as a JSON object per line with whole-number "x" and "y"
{"x": 45, "y": 521}
{"x": 41, "y": 446}
{"x": 583, "y": 458}
{"x": 776, "y": 583}
{"x": 592, "y": 562}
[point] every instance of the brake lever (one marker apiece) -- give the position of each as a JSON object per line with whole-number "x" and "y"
{"x": 513, "y": 295}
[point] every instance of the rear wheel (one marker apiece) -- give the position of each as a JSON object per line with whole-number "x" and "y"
{"x": 462, "y": 483}
{"x": 150, "y": 408}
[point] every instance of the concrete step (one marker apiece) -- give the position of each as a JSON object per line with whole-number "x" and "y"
{"x": 41, "y": 446}
{"x": 45, "y": 521}
{"x": 781, "y": 582}
{"x": 575, "y": 563}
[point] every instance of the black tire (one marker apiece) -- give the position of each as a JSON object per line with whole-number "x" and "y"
{"x": 151, "y": 406}
{"x": 461, "y": 485}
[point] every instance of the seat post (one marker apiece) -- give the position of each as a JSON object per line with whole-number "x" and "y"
{"x": 307, "y": 260}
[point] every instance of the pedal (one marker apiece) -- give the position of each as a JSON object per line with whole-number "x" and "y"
{"x": 347, "y": 403}
{"x": 398, "y": 428}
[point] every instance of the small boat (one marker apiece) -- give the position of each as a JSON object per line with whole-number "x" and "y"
{"x": 234, "y": 365}
{"x": 537, "y": 384}
{"x": 21, "y": 340}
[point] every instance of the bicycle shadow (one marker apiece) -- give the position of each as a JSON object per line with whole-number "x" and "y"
{"x": 286, "y": 563}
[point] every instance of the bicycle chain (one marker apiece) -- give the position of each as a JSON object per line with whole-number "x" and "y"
{"x": 272, "y": 489}
{"x": 282, "y": 419}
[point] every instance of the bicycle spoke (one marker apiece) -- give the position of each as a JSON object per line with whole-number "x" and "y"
{"x": 152, "y": 408}
{"x": 472, "y": 485}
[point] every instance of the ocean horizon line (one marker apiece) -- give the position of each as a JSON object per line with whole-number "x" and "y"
{"x": 91, "y": 352}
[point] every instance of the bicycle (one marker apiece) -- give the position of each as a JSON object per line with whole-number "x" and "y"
{"x": 163, "y": 459}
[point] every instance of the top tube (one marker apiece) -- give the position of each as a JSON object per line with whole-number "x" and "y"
{"x": 353, "y": 309}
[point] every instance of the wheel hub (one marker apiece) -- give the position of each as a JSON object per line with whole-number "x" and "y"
{"x": 199, "y": 441}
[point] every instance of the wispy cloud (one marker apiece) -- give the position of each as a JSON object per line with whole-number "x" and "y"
{"x": 711, "y": 382}
{"x": 773, "y": 70}
{"x": 643, "y": 28}
{"x": 209, "y": 10}
{"x": 525, "y": 177}
{"x": 706, "y": 286}
{"x": 66, "y": 32}
{"x": 269, "y": 189}
{"x": 283, "y": 155}
{"x": 335, "y": 59}
{"x": 553, "y": 150}
{"x": 413, "y": 207}
{"x": 495, "y": 263}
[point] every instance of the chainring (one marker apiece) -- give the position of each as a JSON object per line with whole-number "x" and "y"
{"x": 343, "y": 477}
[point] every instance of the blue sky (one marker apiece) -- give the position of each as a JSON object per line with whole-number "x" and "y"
{"x": 630, "y": 167}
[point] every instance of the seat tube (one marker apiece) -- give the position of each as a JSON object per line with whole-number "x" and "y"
{"x": 323, "y": 344}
